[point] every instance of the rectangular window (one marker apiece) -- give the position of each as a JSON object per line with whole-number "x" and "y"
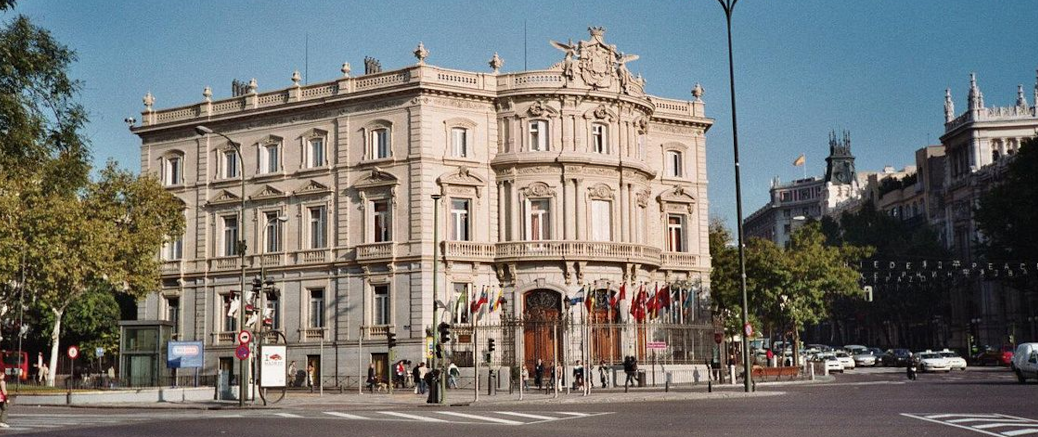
{"x": 316, "y": 152}
{"x": 230, "y": 235}
{"x": 381, "y": 221}
{"x": 601, "y": 220}
{"x": 318, "y": 227}
{"x": 676, "y": 233}
{"x": 271, "y": 158}
{"x": 173, "y": 312}
{"x": 174, "y": 249}
{"x": 173, "y": 171}
{"x": 539, "y": 135}
{"x": 538, "y": 220}
{"x": 273, "y": 232}
{"x": 317, "y": 308}
{"x": 675, "y": 164}
{"x": 230, "y": 164}
{"x": 379, "y": 143}
{"x": 275, "y": 314}
{"x": 460, "y": 219}
{"x": 459, "y": 141}
{"x": 599, "y": 139}
{"x": 230, "y": 323}
{"x": 461, "y": 305}
{"x": 381, "y": 310}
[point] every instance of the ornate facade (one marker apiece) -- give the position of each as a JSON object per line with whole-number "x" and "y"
{"x": 551, "y": 181}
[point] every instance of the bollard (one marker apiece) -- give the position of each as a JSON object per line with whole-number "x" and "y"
{"x": 710, "y": 385}
{"x": 731, "y": 373}
{"x": 812, "y": 371}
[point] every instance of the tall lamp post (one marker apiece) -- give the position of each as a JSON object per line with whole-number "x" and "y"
{"x": 728, "y": 5}
{"x": 437, "y": 363}
{"x": 241, "y": 246}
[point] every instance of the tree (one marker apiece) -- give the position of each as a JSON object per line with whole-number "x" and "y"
{"x": 1006, "y": 213}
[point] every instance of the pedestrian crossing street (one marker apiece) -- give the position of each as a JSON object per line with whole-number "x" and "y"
{"x": 48, "y": 422}
{"x": 510, "y": 418}
{"x": 1001, "y": 425}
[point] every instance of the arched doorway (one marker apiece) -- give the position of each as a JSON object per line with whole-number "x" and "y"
{"x": 542, "y": 316}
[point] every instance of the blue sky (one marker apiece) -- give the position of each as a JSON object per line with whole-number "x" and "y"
{"x": 877, "y": 68}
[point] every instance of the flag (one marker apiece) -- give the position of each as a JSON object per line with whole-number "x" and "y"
{"x": 477, "y": 303}
{"x": 664, "y": 300}
{"x": 638, "y": 305}
{"x": 689, "y": 298}
{"x": 623, "y": 295}
{"x": 799, "y": 161}
{"x": 498, "y": 299}
{"x": 651, "y": 303}
{"x": 578, "y": 298}
{"x": 589, "y": 300}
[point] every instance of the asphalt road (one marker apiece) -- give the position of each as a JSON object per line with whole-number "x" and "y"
{"x": 869, "y": 402}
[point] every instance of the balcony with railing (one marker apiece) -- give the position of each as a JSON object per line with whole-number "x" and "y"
{"x": 313, "y": 334}
{"x": 373, "y": 252}
{"x": 314, "y": 256}
{"x": 377, "y": 331}
{"x": 225, "y": 337}
{"x": 468, "y": 251}
{"x": 678, "y": 260}
{"x": 268, "y": 260}
{"x": 172, "y": 267}
{"x": 224, "y": 263}
{"x": 554, "y": 250}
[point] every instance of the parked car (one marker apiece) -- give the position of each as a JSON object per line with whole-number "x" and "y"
{"x": 878, "y": 353}
{"x": 953, "y": 358}
{"x": 1000, "y": 357}
{"x": 854, "y": 348}
{"x": 845, "y": 359}
{"x": 864, "y": 358}
{"x": 831, "y": 363}
{"x": 930, "y": 361}
{"x": 897, "y": 357}
{"x": 1025, "y": 361}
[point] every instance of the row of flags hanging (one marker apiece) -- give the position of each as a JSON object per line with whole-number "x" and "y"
{"x": 645, "y": 306}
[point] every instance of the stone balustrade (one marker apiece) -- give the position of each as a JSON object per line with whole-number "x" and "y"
{"x": 171, "y": 267}
{"x": 313, "y": 334}
{"x": 377, "y": 331}
{"x": 556, "y": 250}
{"x": 375, "y": 251}
{"x": 311, "y": 256}
{"x": 678, "y": 260}
{"x": 468, "y": 251}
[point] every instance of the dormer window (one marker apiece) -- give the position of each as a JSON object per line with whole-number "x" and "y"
{"x": 539, "y": 135}
{"x": 599, "y": 138}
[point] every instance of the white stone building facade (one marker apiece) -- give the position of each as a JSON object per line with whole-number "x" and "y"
{"x": 551, "y": 181}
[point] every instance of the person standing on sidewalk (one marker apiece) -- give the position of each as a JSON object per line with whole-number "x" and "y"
{"x": 416, "y": 375}
{"x": 603, "y": 373}
{"x": 538, "y": 374}
{"x": 371, "y": 378}
{"x": 4, "y": 401}
{"x": 452, "y": 375}
{"x": 524, "y": 376}
{"x": 291, "y": 380}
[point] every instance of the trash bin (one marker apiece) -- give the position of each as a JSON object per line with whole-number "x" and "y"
{"x": 641, "y": 378}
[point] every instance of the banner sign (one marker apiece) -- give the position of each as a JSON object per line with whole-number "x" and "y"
{"x": 185, "y": 354}
{"x": 656, "y": 345}
{"x": 880, "y": 272}
{"x": 272, "y": 366}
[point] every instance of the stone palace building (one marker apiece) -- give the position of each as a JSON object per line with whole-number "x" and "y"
{"x": 550, "y": 181}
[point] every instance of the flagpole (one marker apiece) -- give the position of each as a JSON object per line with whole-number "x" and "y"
{"x": 804, "y": 165}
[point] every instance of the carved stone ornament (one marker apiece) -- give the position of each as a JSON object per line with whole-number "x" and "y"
{"x": 421, "y": 53}
{"x": 268, "y": 192}
{"x": 601, "y": 192}
{"x": 345, "y": 69}
{"x": 149, "y": 101}
{"x": 643, "y": 125}
{"x": 601, "y": 112}
{"x": 538, "y": 109}
{"x": 377, "y": 177}
{"x": 677, "y": 196}
{"x": 465, "y": 178}
{"x": 643, "y": 197}
{"x": 313, "y": 187}
{"x": 697, "y": 92}
{"x": 496, "y": 62}
{"x": 597, "y": 60}
{"x": 225, "y": 197}
{"x": 538, "y": 189}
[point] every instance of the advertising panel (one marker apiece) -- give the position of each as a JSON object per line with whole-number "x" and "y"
{"x": 273, "y": 368}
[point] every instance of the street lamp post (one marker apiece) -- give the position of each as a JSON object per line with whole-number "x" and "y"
{"x": 437, "y": 364}
{"x": 748, "y": 380}
{"x": 241, "y": 248}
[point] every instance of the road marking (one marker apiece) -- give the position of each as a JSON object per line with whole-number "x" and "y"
{"x": 486, "y": 418}
{"x": 526, "y": 415}
{"x": 288, "y": 415}
{"x": 1030, "y": 426}
{"x": 412, "y": 416}
{"x": 345, "y": 415}
{"x": 574, "y": 414}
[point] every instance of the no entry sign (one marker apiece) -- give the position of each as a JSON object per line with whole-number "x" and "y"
{"x": 748, "y": 330}
{"x": 244, "y": 337}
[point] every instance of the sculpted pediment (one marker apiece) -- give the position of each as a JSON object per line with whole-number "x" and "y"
{"x": 602, "y": 112}
{"x": 538, "y": 189}
{"x": 268, "y": 192}
{"x": 314, "y": 133}
{"x": 461, "y": 177}
{"x": 541, "y": 109}
{"x": 271, "y": 139}
{"x": 377, "y": 178}
{"x": 225, "y": 196}
{"x": 312, "y": 187}
{"x": 676, "y": 195}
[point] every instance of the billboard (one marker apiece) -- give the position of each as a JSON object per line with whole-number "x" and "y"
{"x": 184, "y": 354}
{"x": 272, "y": 366}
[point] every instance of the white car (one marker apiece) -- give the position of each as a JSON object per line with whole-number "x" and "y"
{"x": 1025, "y": 361}
{"x": 932, "y": 362}
{"x": 953, "y": 359}
{"x": 864, "y": 358}
{"x": 845, "y": 359}
{"x": 831, "y": 363}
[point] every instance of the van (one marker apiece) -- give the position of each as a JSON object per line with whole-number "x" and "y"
{"x": 1025, "y": 361}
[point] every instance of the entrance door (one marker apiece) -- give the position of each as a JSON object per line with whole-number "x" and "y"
{"x": 313, "y": 370}
{"x": 541, "y": 325}
{"x": 605, "y": 331}
{"x": 381, "y": 362}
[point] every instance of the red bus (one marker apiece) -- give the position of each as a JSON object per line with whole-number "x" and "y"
{"x": 13, "y": 366}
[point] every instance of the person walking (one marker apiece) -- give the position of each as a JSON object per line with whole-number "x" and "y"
{"x": 452, "y": 375}
{"x": 524, "y": 376}
{"x": 44, "y": 373}
{"x": 310, "y": 376}
{"x": 578, "y": 376}
{"x": 538, "y": 374}
{"x": 629, "y": 368}
{"x": 603, "y": 373}
{"x": 4, "y": 401}
{"x": 371, "y": 378}
{"x": 416, "y": 375}
{"x": 399, "y": 375}
{"x": 291, "y": 374}
{"x": 422, "y": 372}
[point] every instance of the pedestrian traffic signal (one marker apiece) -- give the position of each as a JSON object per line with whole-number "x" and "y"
{"x": 391, "y": 339}
{"x": 445, "y": 332}
{"x": 257, "y": 284}
{"x": 490, "y": 345}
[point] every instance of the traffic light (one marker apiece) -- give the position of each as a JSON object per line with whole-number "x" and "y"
{"x": 445, "y": 332}
{"x": 490, "y": 345}
{"x": 439, "y": 351}
{"x": 257, "y": 284}
{"x": 391, "y": 339}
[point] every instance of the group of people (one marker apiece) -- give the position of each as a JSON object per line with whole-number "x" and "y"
{"x": 420, "y": 376}
{"x": 581, "y": 376}
{"x": 296, "y": 380}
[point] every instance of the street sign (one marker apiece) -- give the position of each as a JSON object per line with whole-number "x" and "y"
{"x": 244, "y": 337}
{"x": 656, "y": 345}
{"x": 242, "y": 352}
{"x": 718, "y": 337}
{"x": 748, "y": 329}
{"x": 73, "y": 352}
{"x": 100, "y": 352}
{"x": 182, "y": 354}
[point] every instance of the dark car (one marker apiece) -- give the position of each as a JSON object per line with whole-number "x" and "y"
{"x": 1000, "y": 357}
{"x": 896, "y": 357}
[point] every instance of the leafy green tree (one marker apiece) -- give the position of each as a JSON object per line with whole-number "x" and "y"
{"x": 1005, "y": 215}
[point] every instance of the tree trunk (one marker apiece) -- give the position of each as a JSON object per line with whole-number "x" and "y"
{"x": 796, "y": 345}
{"x": 55, "y": 337}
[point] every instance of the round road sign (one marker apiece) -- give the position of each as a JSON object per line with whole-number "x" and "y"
{"x": 73, "y": 352}
{"x": 748, "y": 330}
{"x": 244, "y": 337}
{"x": 718, "y": 337}
{"x": 242, "y": 352}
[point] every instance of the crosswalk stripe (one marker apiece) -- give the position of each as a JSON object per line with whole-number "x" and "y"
{"x": 288, "y": 415}
{"x": 574, "y": 414}
{"x": 477, "y": 417}
{"x": 996, "y": 425}
{"x": 411, "y": 416}
{"x": 345, "y": 415}
{"x": 526, "y": 415}
{"x": 987, "y": 419}
{"x": 943, "y": 416}
{"x": 1020, "y": 432}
